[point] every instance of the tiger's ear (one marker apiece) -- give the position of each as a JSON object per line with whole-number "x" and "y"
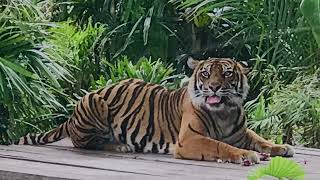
{"x": 192, "y": 63}
{"x": 244, "y": 67}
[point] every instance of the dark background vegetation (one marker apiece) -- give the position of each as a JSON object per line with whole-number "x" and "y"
{"x": 53, "y": 51}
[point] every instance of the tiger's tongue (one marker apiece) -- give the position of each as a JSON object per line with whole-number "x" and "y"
{"x": 213, "y": 100}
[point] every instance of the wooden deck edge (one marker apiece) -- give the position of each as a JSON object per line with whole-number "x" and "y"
{"x": 13, "y": 175}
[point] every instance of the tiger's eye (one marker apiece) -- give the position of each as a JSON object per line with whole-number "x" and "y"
{"x": 205, "y": 74}
{"x": 228, "y": 73}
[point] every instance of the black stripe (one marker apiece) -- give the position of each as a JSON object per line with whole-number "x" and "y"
{"x": 106, "y": 95}
{"x": 212, "y": 122}
{"x": 118, "y": 95}
{"x": 218, "y": 145}
{"x": 25, "y": 140}
{"x": 165, "y": 108}
{"x": 85, "y": 130}
{"x": 202, "y": 157}
{"x": 159, "y": 110}
{"x": 193, "y": 130}
{"x": 204, "y": 120}
{"x": 116, "y": 109}
{"x": 39, "y": 138}
{"x": 100, "y": 123}
{"x": 33, "y": 139}
{"x": 161, "y": 141}
{"x": 57, "y": 134}
{"x": 241, "y": 81}
{"x": 154, "y": 148}
{"x": 124, "y": 124}
{"x": 150, "y": 128}
{"x": 152, "y": 111}
{"x": 172, "y": 113}
{"x": 166, "y": 150}
{"x": 91, "y": 109}
{"x": 95, "y": 105}
{"x": 99, "y": 91}
{"x": 195, "y": 82}
{"x": 84, "y": 110}
{"x": 45, "y": 138}
{"x": 16, "y": 142}
{"x": 135, "y": 94}
{"x": 133, "y": 121}
{"x": 133, "y": 136}
{"x": 240, "y": 125}
{"x": 80, "y": 118}
{"x": 66, "y": 127}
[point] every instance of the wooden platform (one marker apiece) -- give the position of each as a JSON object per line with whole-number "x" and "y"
{"x": 61, "y": 161}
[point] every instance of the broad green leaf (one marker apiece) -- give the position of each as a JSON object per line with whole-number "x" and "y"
{"x": 279, "y": 167}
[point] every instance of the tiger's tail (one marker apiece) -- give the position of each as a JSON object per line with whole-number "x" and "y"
{"x": 45, "y": 138}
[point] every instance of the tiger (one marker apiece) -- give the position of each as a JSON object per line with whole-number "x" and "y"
{"x": 203, "y": 120}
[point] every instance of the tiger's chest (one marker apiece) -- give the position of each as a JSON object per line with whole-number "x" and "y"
{"x": 227, "y": 126}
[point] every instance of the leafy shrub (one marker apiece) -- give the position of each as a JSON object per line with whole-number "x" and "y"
{"x": 262, "y": 120}
{"x": 29, "y": 78}
{"x": 293, "y": 109}
{"x": 77, "y": 51}
{"x": 298, "y": 107}
{"x": 145, "y": 69}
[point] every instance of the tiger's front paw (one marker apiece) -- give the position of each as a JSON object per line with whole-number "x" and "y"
{"x": 246, "y": 158}
{"x": 284, "y": 150}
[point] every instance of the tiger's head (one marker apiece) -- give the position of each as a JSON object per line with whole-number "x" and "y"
{"x": 217, "y": 83}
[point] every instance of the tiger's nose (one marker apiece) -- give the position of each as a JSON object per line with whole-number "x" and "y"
{"x": 215, "y": 88}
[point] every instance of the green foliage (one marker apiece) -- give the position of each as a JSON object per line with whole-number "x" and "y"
{"x": 280, "y": 168}
{"x": 29, "y": 78}
{"x": 293, "y": 109}
{"x": 136, "y": 27}
{"x": 270, "y": 34}
{"x": 297, "y": 106}
{"x": 311, "y": 10}
{"x": 262, "y": 120}
{"x": 146, "y": 69}
{"x": 77, "y": 51}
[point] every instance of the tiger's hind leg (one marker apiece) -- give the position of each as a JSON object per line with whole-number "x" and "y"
{"x": 88, "y": 126}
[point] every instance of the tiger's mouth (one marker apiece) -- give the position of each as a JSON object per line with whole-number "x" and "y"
{"x": 213, "y": 100}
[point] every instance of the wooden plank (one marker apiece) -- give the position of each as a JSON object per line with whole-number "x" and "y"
{"x": 19, "y": 169}
{"x": 25, "y": 176}
{"x": 61, "y": 160}
{"x": 134, "y": 166}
